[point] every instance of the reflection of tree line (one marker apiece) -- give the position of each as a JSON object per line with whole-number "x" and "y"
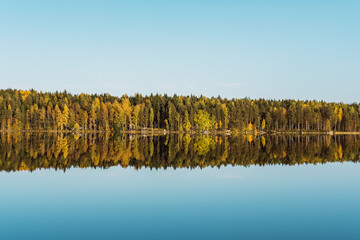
{"x": 41, "y": 151}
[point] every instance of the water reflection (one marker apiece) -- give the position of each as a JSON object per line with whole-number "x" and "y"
{"x": 41, "y": 151}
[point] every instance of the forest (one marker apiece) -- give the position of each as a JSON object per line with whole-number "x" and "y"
{"x": 29, "y": 152}
{"x": 29, "y": 110}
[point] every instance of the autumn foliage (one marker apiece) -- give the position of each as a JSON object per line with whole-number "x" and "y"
{"x": 62, "y": 112}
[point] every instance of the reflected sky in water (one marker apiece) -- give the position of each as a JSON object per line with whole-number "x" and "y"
{"x": 272, "y": 202}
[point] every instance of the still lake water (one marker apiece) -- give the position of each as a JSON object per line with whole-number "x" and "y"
{"x": 288, "y": 188}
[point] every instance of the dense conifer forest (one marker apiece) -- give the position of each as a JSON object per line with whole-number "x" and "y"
{"x": 63, "y": 112}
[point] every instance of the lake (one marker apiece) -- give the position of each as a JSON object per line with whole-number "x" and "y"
{"x": 179, "y": 187}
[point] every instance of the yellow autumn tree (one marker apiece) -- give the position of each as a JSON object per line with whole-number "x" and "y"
{"x": 65, "y": 116}
{"x": 126, "y": 107}
{"x": 204, "y": 121}
{"x": 58, "y": 117}
{"x": 186, "y": 123}
{"x": 263, "y": 124}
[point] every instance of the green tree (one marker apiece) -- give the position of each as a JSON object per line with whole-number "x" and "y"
{"x": 204, "y": 121}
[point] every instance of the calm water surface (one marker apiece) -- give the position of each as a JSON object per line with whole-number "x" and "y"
{"x": 259, "y": 201}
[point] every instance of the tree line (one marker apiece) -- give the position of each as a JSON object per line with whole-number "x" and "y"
{"x": 61, "y": 111}
{"x": 57, "y": 151}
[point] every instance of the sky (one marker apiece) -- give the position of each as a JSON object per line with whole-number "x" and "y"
{"x": 259, "y": 49}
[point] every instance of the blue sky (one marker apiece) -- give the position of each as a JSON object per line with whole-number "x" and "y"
{"x": 267, "y": 49}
